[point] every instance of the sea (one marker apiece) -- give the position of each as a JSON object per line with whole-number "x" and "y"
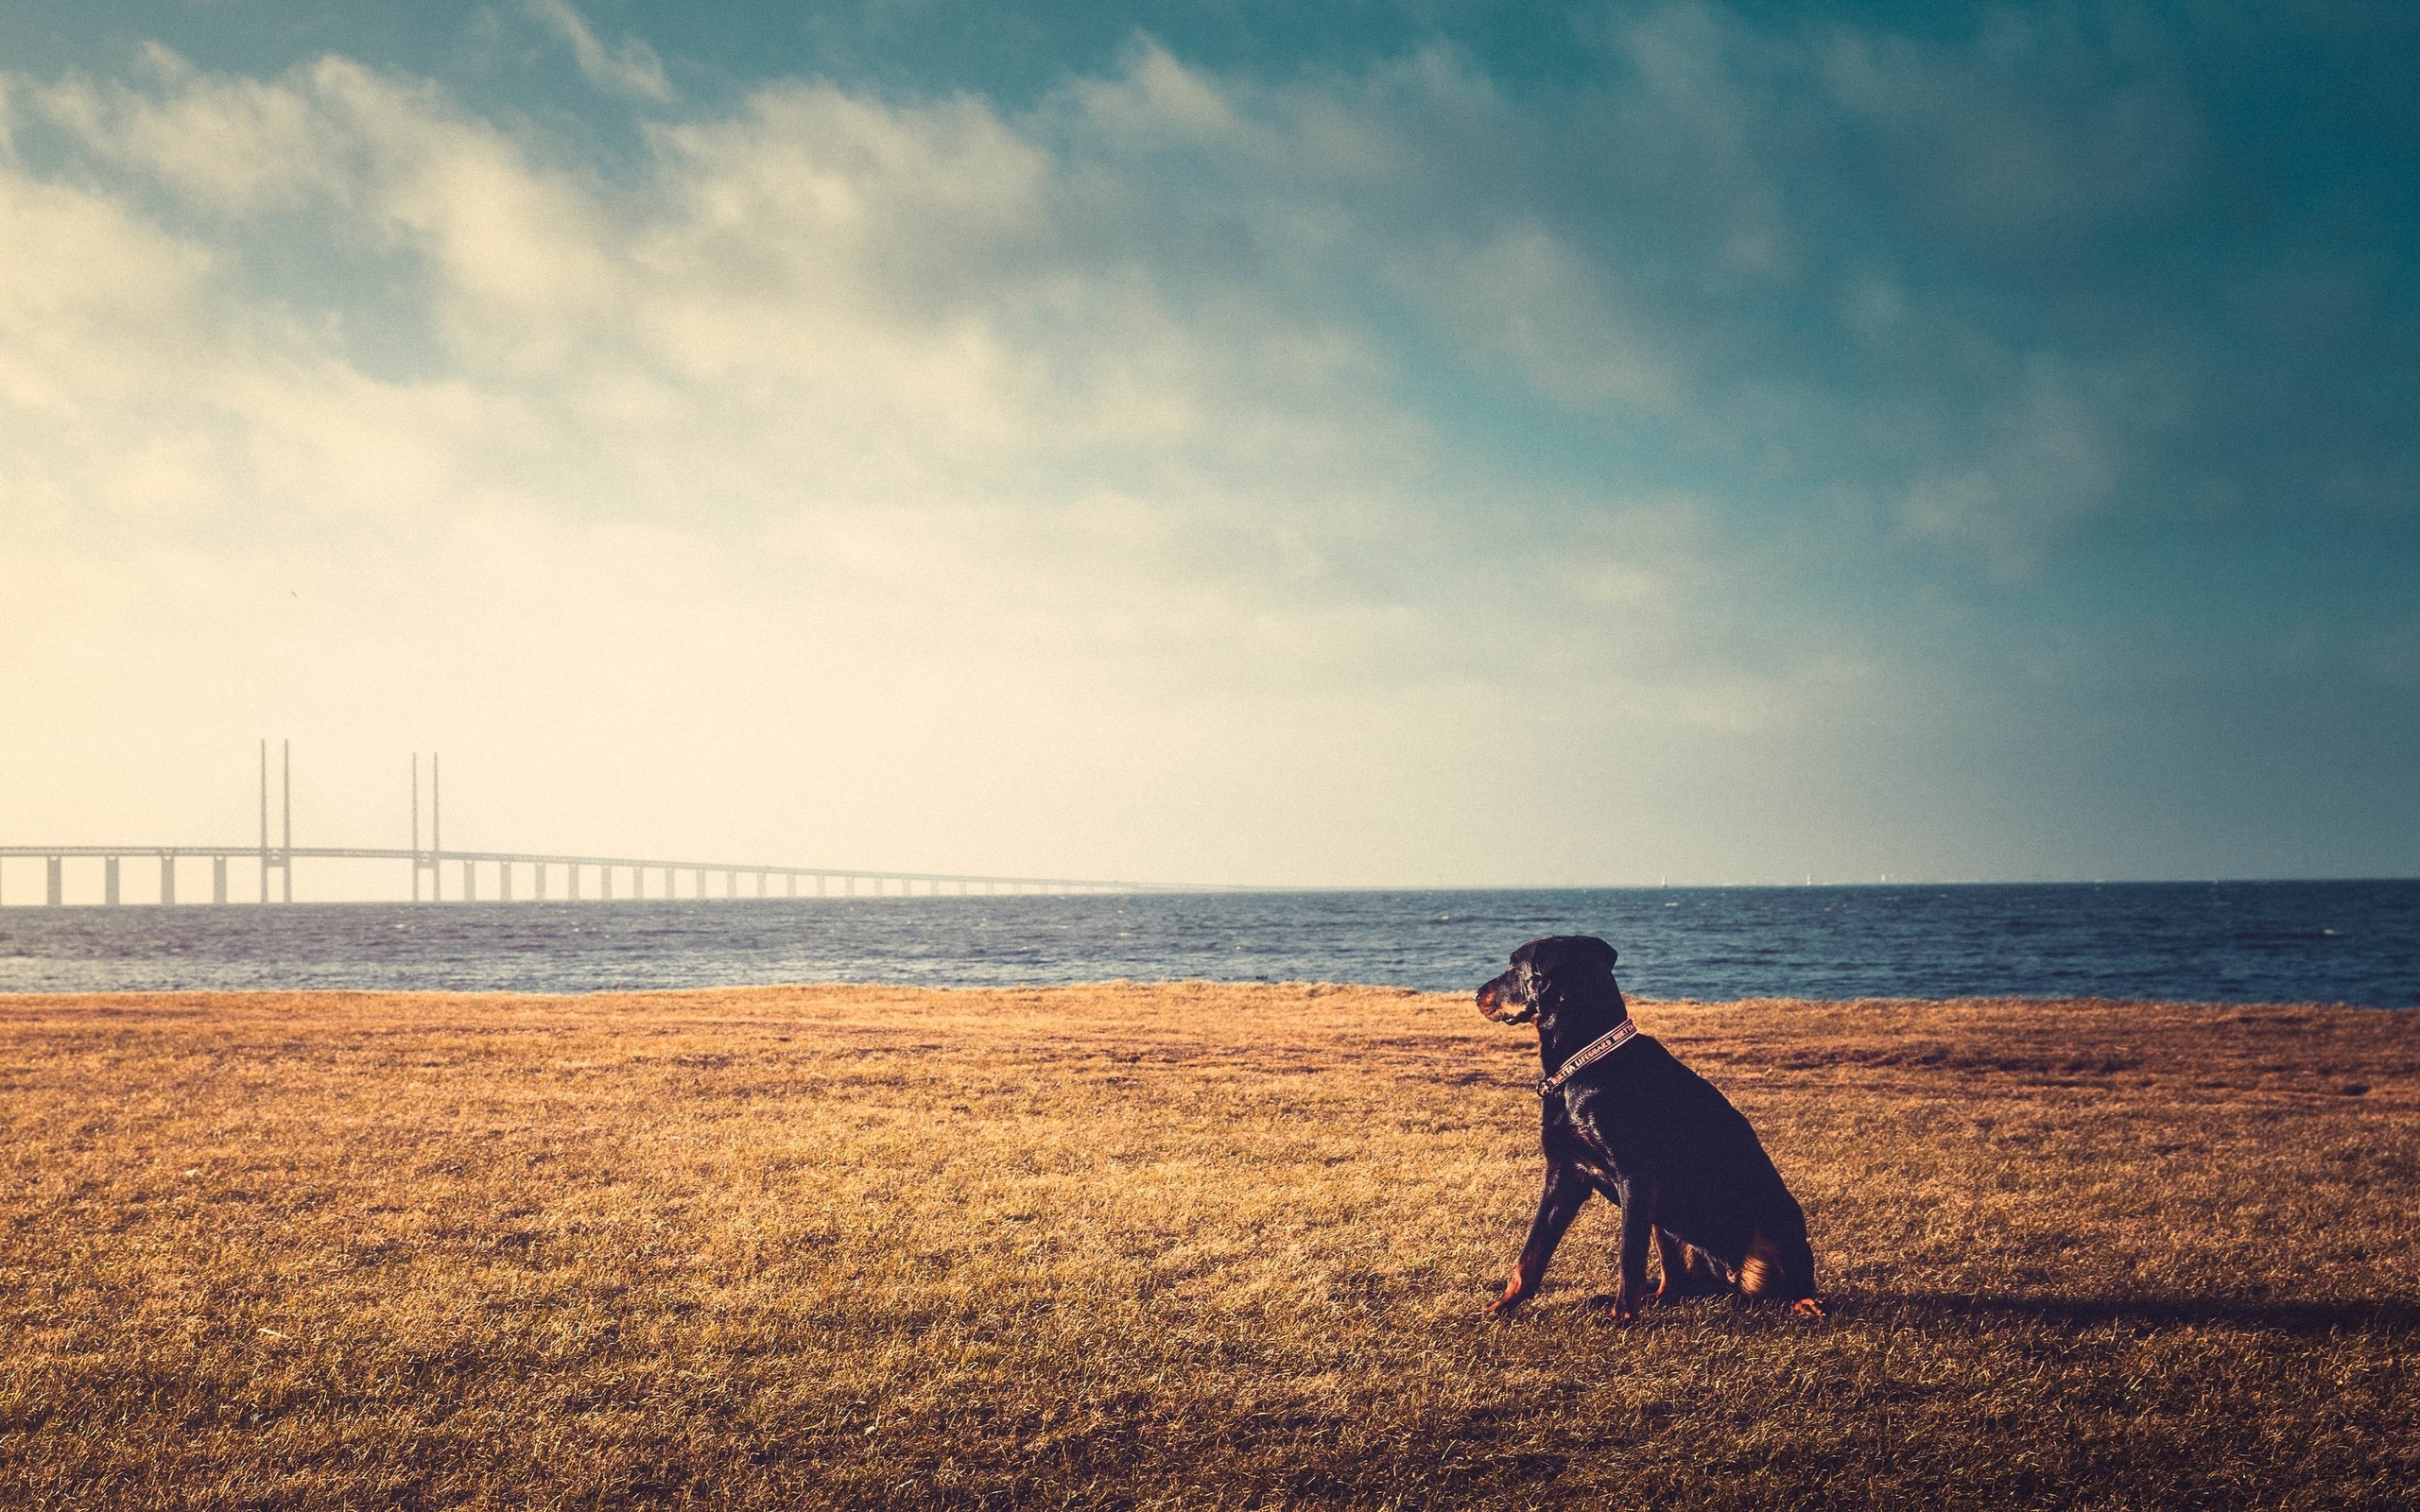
{"x": 2354, "y": 942}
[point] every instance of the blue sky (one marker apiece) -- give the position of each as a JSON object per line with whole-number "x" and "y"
{"x": 1424, "y": 444}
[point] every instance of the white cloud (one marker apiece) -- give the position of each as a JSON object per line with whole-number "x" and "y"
{"x": 2028, "y": 141}
{"x": 2043, "y": 462}
{"x": 634, "y": 68}
{"x": 227, "y": 144}
{"x": 1524, "y": 297}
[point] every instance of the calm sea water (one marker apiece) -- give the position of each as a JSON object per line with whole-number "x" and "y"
{"x": 2333, "y": 941}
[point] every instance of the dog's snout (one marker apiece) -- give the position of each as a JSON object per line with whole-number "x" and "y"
{"x": 1503, "y": 1001}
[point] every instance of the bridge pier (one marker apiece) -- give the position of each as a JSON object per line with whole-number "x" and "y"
{"x": 58, "y": 892}
{"x": 793, "y": 881}
{"x": 504, "y": 882}
{"x": 109, "y": 881}
{"x": 605, "y": 882}
{"x": 167, "y": 881}
{"x": 470, "y": 882}
{"x": 571, "y": 880}
{"x": 219, "y": 879}
{"x": 538, "y": 881}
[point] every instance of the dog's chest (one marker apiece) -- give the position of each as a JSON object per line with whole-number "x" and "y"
{"x": 1572, "y": 1141}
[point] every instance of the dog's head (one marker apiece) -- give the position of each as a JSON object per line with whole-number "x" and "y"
{"x": 1547, "y": 971}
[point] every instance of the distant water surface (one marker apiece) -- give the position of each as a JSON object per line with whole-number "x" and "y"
{"x": 2326, "y": 941}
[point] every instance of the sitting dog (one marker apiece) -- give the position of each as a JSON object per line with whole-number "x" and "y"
{"x": 1625, "y": 1119}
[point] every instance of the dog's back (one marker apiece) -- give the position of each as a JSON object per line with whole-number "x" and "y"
{"x": 1719, "y": 1189}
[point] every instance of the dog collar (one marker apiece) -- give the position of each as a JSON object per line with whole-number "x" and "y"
{"x": 1594, "y": 1051}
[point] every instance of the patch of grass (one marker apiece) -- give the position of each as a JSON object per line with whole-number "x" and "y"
{"x": 1181, "y": 1246}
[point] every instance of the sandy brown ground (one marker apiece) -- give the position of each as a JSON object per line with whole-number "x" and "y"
{"x": 1176, "y": 1246}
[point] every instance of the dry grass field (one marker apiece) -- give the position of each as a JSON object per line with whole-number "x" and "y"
{"x": 1182, "y": 1245}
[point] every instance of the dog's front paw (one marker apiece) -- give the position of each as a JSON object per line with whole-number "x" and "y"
{"x": 1502, "y": 1307}
{"x": 1809, "y": 1307}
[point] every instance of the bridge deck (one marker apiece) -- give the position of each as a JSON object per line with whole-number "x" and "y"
{"x": 282, "y": 857}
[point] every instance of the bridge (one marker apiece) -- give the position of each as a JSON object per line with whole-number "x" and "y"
{"x": 492, "y": 875}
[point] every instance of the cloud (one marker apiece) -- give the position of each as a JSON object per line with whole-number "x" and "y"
{"x": 231, "y": 145}
{"x": 2031, "y": 140}
{"x": 1525, "y": 298}
{"x": 2041, "y": 464}
{"x": 632, "y": 69}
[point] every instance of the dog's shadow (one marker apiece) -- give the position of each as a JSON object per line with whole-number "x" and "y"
{"x": 2373, "y": 1315}
{"x": 2363, "y": 1315}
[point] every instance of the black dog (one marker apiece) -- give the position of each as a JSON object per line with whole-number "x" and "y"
{"x": 1625, "y": 1119}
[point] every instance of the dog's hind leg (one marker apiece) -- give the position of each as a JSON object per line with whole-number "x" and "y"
{"x": 1688, "y": 1271}
{"x": 1566, "y": 1191}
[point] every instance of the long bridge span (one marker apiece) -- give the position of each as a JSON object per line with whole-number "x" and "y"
{"x": 494, "y": 875}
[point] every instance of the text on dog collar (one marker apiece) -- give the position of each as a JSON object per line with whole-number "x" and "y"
{"x": 1594, "y": 1051}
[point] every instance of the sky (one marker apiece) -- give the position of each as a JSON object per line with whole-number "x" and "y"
{"x": 1379, "y": 444}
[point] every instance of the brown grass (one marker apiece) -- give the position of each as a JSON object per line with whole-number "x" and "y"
{"x": 1181, "y": 1246}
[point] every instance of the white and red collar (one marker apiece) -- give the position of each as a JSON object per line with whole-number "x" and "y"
{"x": 1589, "y": 1054}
